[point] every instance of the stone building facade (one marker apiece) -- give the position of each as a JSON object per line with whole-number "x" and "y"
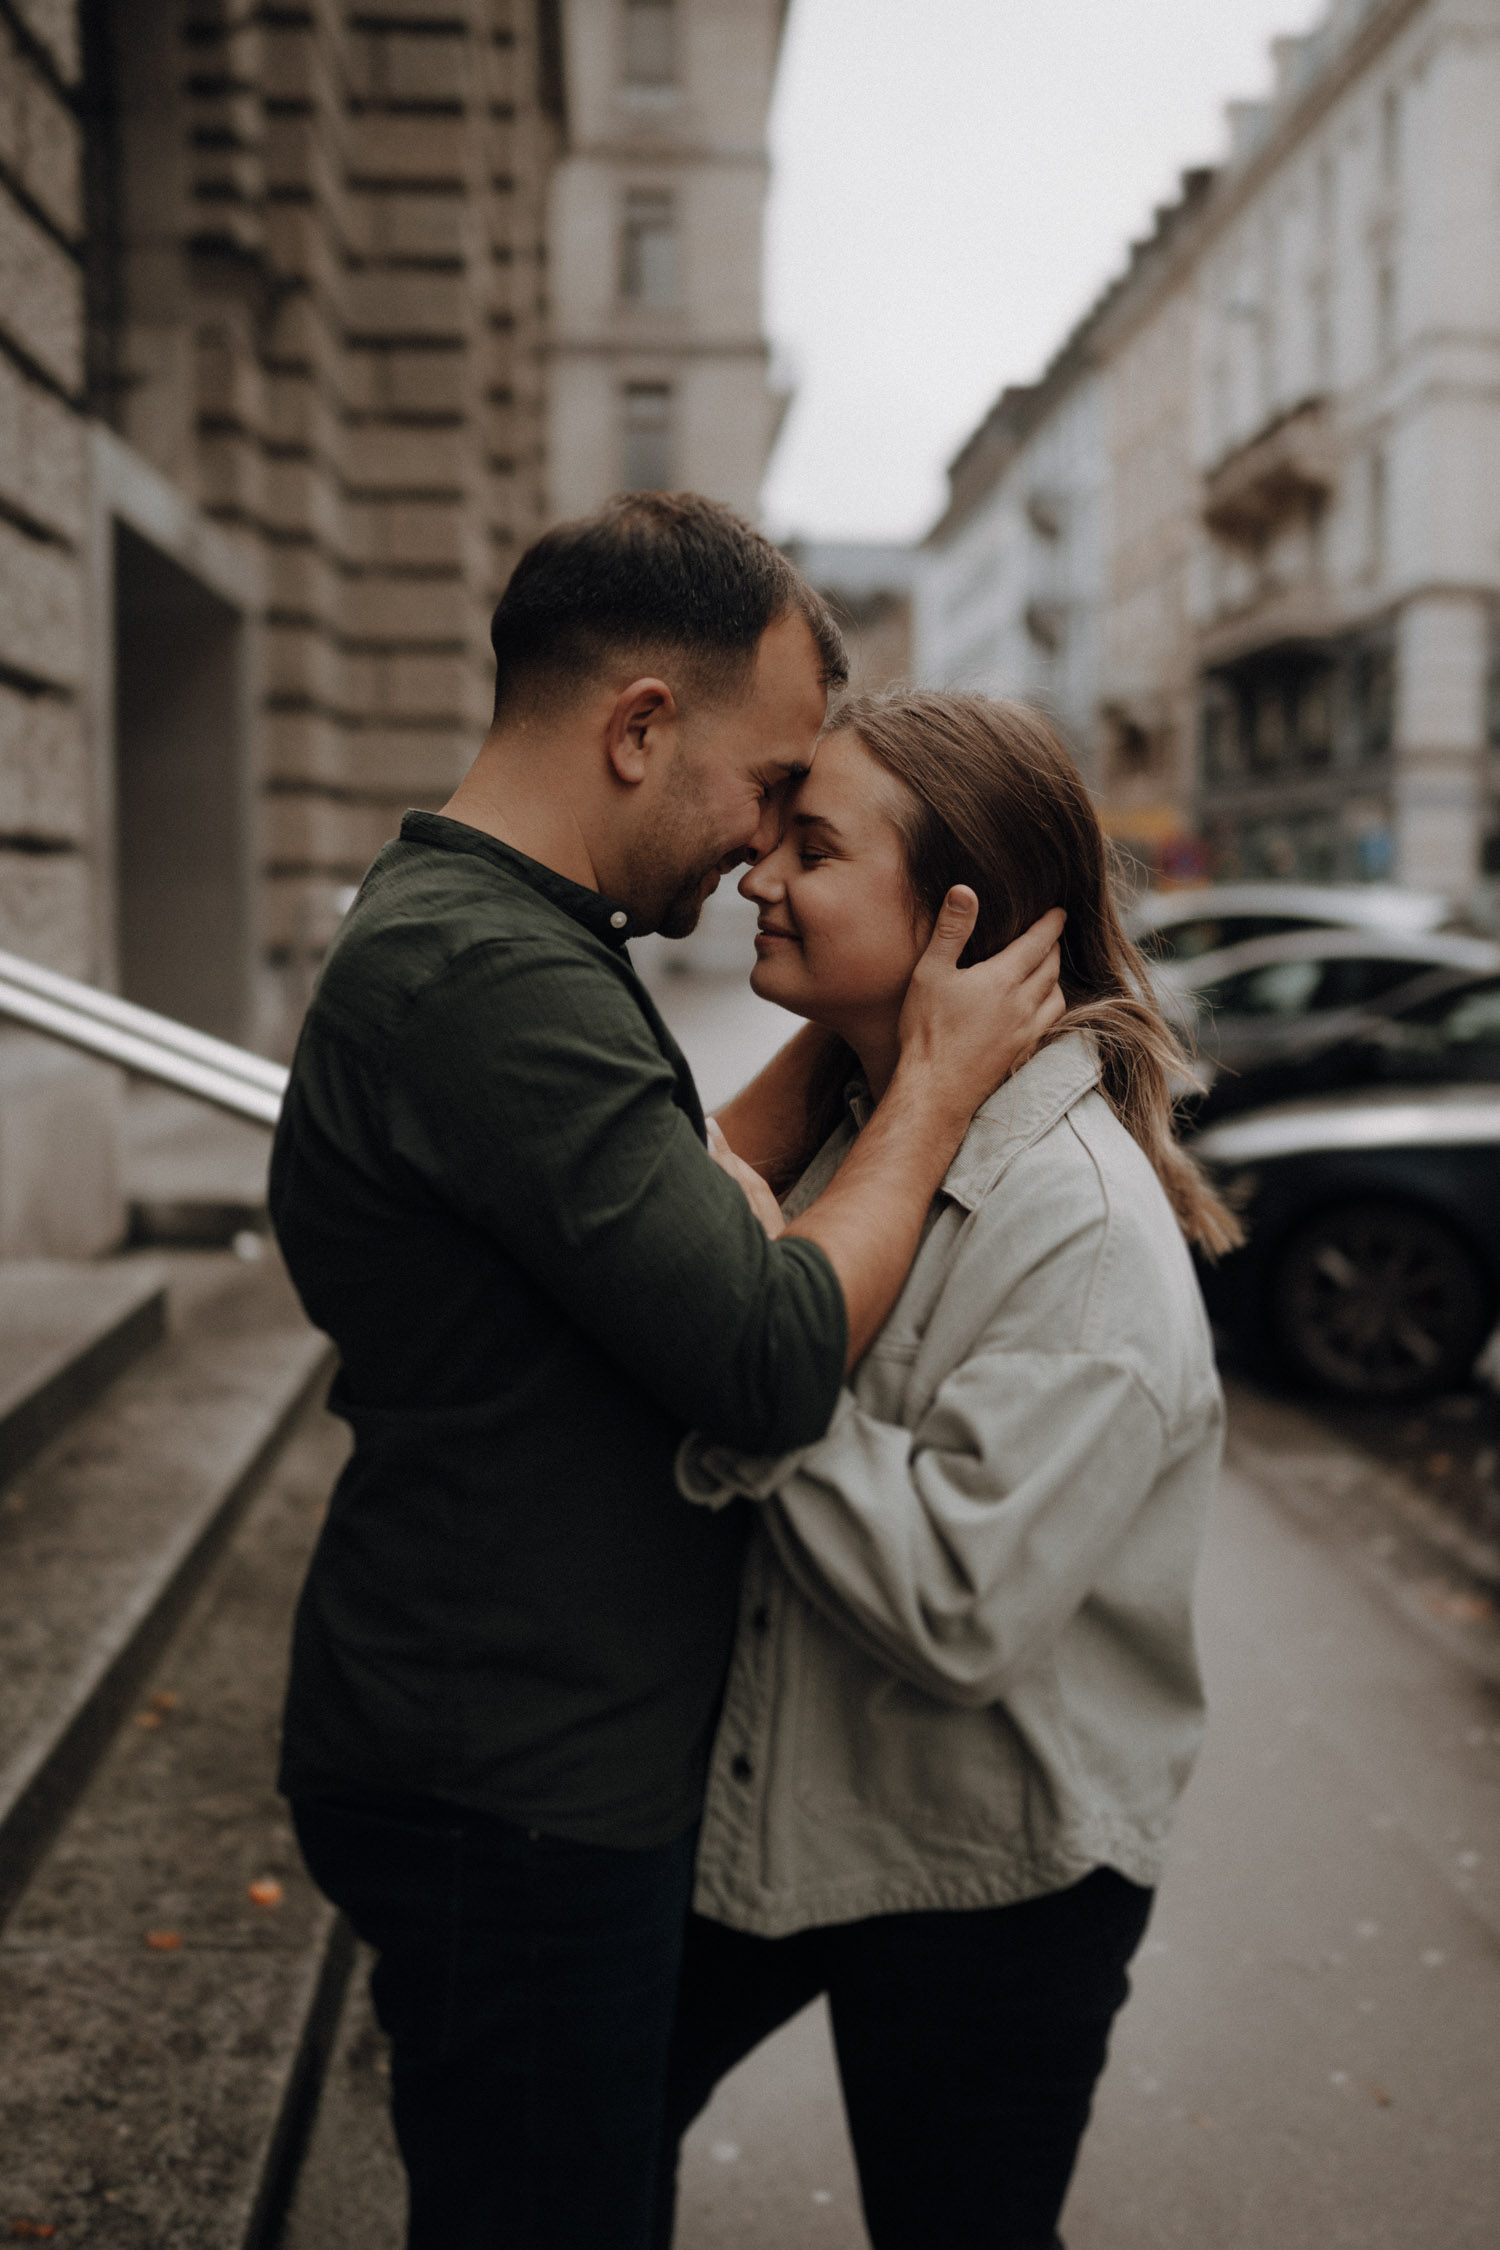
{"x": 284, "y": 392}
{"x": 659, "y": 364}
{"x": 272, "y": 357}
{"x": 1298, "y": 589}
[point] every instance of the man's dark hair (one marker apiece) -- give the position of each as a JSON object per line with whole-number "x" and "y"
{"x": 677, "y": 583}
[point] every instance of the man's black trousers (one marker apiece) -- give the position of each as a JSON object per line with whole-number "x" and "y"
{"x": 969, "y": 2045}
{"x": 527, "y": 1986}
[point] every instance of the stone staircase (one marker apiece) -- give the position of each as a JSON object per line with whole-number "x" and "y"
{"x": 170, "y": 1982}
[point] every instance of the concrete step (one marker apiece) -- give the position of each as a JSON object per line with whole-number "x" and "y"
{"x": 351, "y": 2190}
{"x": 192, "y": 1175}
{"x": 163, "y": 2030}
{"x": 66, "y": 1332}
{"x": 107, "y": 1536}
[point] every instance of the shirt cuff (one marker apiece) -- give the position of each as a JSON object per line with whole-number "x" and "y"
{"x": 713, "y": 1475}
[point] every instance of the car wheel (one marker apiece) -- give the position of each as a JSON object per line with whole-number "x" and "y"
{"x": 1379, "y": 1300}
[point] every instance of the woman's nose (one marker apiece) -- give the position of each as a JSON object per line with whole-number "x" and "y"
{"x": 761, "y": 884}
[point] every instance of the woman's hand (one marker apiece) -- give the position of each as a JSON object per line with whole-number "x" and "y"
{"x": 759, "y": 1197}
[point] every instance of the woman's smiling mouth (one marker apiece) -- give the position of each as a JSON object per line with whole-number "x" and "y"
{"x": 770, "y": 934}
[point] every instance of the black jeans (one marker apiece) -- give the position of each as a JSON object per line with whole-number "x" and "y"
{"x": 527, "y": 1986}
{"x": 968, "y": 2044}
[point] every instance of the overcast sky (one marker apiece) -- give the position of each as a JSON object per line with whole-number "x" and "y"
{"x": 954, "y": 182}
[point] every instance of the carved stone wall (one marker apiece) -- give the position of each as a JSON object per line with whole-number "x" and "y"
{"x": 293, "y": 256}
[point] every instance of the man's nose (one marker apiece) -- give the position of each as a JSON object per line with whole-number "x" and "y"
{"x": 768, "y": 828}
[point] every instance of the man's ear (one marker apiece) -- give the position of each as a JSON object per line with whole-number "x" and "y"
{"x": 639, "y": 726}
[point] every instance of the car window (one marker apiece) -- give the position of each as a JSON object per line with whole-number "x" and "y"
{"x": 1278, "y": 988}
{"x": 1469, "y": 1017}
{"x": 1474, "y": 1020}
{"x": 1308, "y": 987}
{"x": 1209, "y": 933}
{"x": 1350, "y": 983}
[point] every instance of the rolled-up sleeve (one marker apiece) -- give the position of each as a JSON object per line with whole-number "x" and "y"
{"x": 532, "y": 1097}
{"x": 957, "y": 1552}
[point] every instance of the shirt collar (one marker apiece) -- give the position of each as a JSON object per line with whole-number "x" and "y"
{"x": 604, "y": 918}
{"x": 1028, "y": 1105}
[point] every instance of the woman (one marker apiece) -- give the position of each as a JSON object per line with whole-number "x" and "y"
{"x": 964, "y": 1698}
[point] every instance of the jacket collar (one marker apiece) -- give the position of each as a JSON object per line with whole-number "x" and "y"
{"x": 1028, "y": 1105}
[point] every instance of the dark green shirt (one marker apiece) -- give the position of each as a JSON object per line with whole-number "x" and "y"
{"x": 491, "y": 1187}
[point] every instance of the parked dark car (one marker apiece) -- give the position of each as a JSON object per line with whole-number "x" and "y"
{"x": 1279, "y": 1000}
{"x": 1441, "y": 1028}
{"x": 1372, "y": 1265}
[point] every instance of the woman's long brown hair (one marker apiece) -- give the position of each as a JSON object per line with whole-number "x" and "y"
{"x": 996, "y": 802}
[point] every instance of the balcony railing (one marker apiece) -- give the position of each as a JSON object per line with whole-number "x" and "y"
{"x": 101, "y": 1024}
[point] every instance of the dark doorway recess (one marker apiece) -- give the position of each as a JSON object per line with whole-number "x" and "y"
{"x": 183, "y": 870}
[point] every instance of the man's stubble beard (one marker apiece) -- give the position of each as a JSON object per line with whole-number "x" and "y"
{"x": 669, "y": 867}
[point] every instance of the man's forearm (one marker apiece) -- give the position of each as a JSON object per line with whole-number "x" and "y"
{"x": 868, "y": 1221}
{"x": 766, "y": 1121}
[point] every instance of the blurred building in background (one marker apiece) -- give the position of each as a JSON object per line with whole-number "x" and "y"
{"x": 1008, "y": 598}
{"x": 659, "y": 367}
{"x": 1282, "y": 426}
{"x": 868, "y": 585}
{"x": 284, "y": 391}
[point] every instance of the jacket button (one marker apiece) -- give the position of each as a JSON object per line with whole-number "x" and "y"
{"x": 618, "y": 921}
{"x": 741, "y": 1767}
{"x": 761, "y": 1619}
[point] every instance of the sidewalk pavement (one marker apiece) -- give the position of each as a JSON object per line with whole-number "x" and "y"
{"x": 1310, "y": 2058}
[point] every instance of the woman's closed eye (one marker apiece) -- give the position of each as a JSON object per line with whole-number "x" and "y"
{"x": 811, "y": 858}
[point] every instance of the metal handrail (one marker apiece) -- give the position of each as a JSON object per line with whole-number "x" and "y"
{"x": 101, "y": 1024}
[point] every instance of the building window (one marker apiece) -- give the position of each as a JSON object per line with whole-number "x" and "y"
{"x": 650, "y": 43}
{"x": 1385, "y": 309}
{"x": 1390, "y": 138}
{"x": 1322, "y": 332}
{"x": 1373, "y": 699}
{"x": 648, "y": 251}
{"x": 1130, "y": 750}
{"x": 1377, "y": 498}
{"x": 648, "y": 449}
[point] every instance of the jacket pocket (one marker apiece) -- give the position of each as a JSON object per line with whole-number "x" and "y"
{"x": 873, "y": 1749}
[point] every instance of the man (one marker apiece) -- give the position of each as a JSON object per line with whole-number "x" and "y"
{"x": 492, "y": 1189}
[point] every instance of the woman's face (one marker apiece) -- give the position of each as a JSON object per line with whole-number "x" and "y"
{"x": 839, "y": 935}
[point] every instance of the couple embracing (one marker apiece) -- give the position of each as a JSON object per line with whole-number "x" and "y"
{"x": 763, "y": 1568}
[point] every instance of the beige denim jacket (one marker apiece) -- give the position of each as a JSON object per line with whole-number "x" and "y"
{"x": 965, "y": 1671}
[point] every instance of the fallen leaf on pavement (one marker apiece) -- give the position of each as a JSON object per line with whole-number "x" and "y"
{"x": 31, "y": 2230}
{"x": 1458, "y": 1609}
{"x": 148, "y": 1719}
{"x": 1380, "y": 2097}
{"x": 163, "y": 1941}
{"x": 266, "y": 1891}
{"x": 165, "y": 1699}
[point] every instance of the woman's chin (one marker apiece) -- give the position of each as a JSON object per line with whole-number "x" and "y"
{"x": 767, "y": 984}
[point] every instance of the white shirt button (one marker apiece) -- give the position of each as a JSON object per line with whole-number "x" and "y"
{"x": 618, "y": 920}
